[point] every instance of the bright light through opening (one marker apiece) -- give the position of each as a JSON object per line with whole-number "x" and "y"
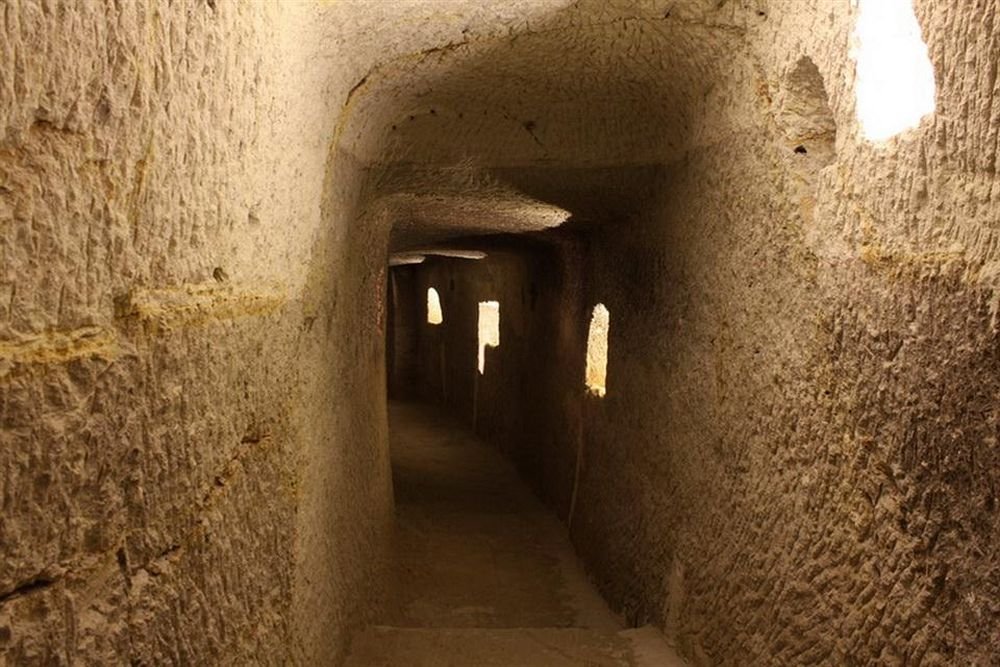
{"x": 597, "y": 351}
{"x": 434, "y": 314}
{"x": 489, "y": 329}
{"x": 895, "y": 84}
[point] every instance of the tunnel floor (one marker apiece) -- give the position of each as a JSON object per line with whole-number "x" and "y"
{"x": 483, "y": 573}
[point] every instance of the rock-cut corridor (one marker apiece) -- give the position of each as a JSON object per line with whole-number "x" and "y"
{"x": 500, "y": 332}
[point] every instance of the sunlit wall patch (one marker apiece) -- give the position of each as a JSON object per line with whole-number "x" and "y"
{"x": 895, "y": 86}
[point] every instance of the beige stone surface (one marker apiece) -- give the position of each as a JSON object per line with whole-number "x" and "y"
{"x": 797, "y": 459}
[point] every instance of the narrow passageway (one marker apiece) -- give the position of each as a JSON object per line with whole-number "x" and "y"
{"x": 705, "y": 295}
{"x": 484, "y": 573}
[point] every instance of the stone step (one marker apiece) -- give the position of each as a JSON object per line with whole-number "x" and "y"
{"x": 383, "y": 646}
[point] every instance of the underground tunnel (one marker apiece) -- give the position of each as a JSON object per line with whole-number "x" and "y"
{"x": 539, "y": 333}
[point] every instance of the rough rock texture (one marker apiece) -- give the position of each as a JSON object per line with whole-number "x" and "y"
{"x": 797, "y": 457}
{"x": 193, "y": 463}
{"x": 165, "y": 368}
{"x": 178, "y": 277}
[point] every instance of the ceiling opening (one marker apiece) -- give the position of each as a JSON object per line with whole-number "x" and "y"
{"x": 895, "y": 77}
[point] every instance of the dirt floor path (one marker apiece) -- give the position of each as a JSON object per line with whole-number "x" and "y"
{"x": 484, "y": 573}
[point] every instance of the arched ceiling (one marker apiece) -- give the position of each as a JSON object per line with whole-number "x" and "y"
{"x": 568, "y": 117}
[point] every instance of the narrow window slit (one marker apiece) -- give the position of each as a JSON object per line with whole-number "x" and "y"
{"x": 489, "y": 330}
{"x": 434, "y": 314}
{"x": 597, "y": 351}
